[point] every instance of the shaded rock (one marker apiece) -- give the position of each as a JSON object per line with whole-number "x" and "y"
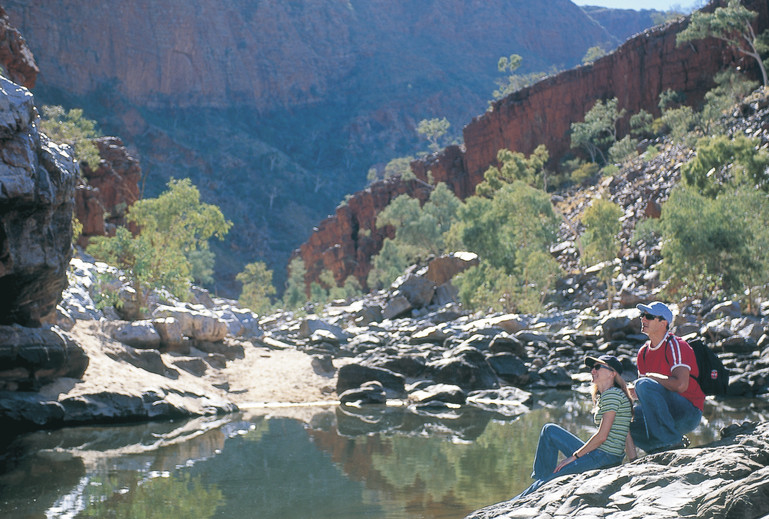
{"x": 31, "y": 357}
{"x": 554, "y": 377}
{"x": 510, "y": 368}
{"x": 148, "y": 360}
{"x": 465, "y": 367}
{"x": 228, "y": 350}
{"x": 506, "y": 343}
{"x": 197, "y": 367}
{"x": 418, "y": 290}
{"x": 323, "y": 364}
{"x": 310, "y": 327}
{"x": 409, "y": 365}
{"x": 170, "y": 331}
{"x": 352, "y": 376}
{"x": 617, "y": 325}
{"x": 737, "y": 344}
{"x": 510, "y": 323}
{"x": 369, "y": 314}
{"x": 396, "y": 306}
{"x": 368, "y": 393}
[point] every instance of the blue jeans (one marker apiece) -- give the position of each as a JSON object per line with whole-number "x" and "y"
{"x": 554, "y": 439}
{"x": 662, "y": 416}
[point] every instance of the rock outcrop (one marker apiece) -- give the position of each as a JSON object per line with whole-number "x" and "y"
{"x": 37, "y": 183}
{"x": 728, "y": 478}
{"x": 636, "y": 73}
{"x": 101, "y": 202}
{"x": 15, "y": 56}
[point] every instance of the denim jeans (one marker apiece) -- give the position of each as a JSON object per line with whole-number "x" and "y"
{"x": 662, "y": 416}
{"x": 554, "y": 439}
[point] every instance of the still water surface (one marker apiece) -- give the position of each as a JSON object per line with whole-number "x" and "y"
{"x": 327, "y": 463}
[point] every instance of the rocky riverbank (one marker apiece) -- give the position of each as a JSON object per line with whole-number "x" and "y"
{"x": 411, "y": 345}
{"x": 726, "y": 479}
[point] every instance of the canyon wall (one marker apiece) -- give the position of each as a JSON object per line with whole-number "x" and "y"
{"x": 636, "y": 73}
{"x": 276, "y": 110}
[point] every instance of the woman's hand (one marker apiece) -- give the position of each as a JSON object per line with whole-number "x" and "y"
{"x": 564, "y": 462}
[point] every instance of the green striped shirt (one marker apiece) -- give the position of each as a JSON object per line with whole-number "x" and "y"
{"x": 613, "y": 399}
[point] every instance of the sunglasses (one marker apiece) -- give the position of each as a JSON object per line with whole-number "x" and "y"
{"x": 599, "y": 366}
{"x": 650, "y": 317}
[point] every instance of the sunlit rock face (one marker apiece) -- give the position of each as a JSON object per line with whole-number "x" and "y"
{"x": 37, "y": 182}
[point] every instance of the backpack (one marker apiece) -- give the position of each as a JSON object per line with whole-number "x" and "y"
{"x": 713, "y": 377}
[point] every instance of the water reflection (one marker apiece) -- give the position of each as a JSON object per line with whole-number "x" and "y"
{"x": 340, "y": 462}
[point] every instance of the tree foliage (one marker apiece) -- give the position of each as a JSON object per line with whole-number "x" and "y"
{"x": 171, "y": 227}
{"x": 513, "y": 82}
{"x": 418, "y": 232}
{"x": 72, "y": 128}
{"x": 433, "y": 130}
{"x": 715, "y": 246}
{"x": 598, "y": 132}
{"x": 722, "y": 163}
{"x": 511, "y": 233}
{"x": 514, "y": 166}
{"x": 731, "y": 24}
{"x": 295, "y": 295}
{"x": 256, "y": 279}
{"x": 592, "y": 54}
{"x": 600, "y": 241}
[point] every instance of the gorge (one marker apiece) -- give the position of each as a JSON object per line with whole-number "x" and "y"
{"x": 277, "y": 110}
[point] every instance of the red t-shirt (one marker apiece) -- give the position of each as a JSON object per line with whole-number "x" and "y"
{"x": 673, "y": 352}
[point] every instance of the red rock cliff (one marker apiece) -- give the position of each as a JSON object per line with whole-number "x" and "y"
{"x": 636, "y": 73}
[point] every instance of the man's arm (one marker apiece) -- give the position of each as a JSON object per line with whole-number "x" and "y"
{"x": 678, "y": 380}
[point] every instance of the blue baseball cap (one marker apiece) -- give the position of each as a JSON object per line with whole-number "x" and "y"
{"x": 659, "y": 309}
{"x": 607, "y": 360}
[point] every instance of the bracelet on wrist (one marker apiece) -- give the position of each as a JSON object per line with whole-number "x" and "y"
{"x": 575, "y": 455}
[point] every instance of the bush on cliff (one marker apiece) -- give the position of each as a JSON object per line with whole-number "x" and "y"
{"x": 72, "y": 128}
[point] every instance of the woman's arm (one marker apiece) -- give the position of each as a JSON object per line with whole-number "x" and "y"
{"x": 630, "y": 447}
{"x": 595, "y": 441}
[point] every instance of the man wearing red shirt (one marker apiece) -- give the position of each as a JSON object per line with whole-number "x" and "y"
{"x": 670, "y": 401}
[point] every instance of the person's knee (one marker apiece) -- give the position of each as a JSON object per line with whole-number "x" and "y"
{"x": 644, "y": 385}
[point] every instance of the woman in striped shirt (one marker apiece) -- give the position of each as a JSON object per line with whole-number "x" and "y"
{"x": 613, "y": 412}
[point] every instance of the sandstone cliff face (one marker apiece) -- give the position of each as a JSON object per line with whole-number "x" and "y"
{"x": 37, "y": 182}
{"x": 270, "y": 54}
{"x": 102, "y": 201}
{"x": 15, "y": 56}
{"x": 636, "y": 73}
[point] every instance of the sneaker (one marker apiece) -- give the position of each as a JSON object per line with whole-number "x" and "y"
{"x": 685, "y": 441}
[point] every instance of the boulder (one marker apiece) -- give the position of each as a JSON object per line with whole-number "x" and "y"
{"x": 32, "y": 357}
{"x": 446, "y": 393}
{"x": 443, "y": 268}
{"x": 368, "y": 393}
{"x": 418, "y": 290}
{"x": 137, "y": 334}
{"x": 353, "y": 375}
{"x": 510, "y": 368}
{"x": 396, "y": 306}
{"x": 466, "y": 367}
